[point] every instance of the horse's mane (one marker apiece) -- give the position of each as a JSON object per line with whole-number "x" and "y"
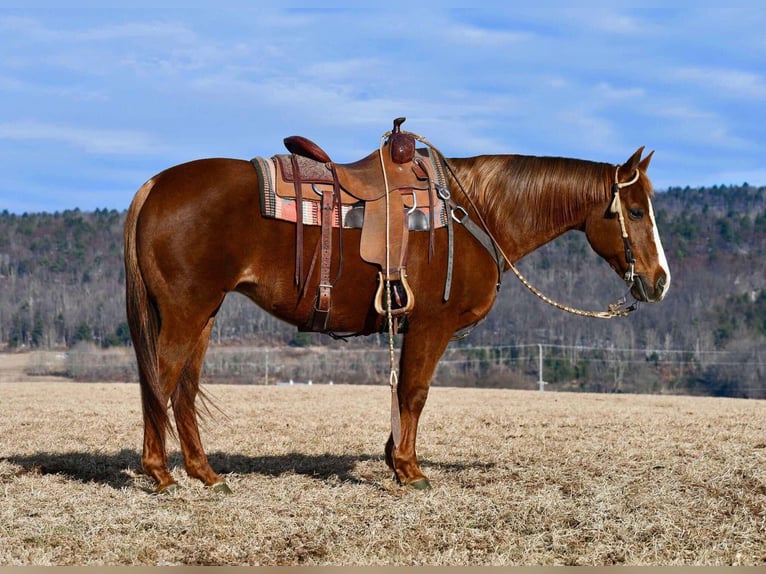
{"x": 544, "y": 192}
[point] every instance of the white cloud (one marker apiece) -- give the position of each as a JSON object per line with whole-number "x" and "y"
{"x": 616, "y": 23}
{"x": 726, "y": 82}
{"x": 95, "y": 141}
{"x": 755, "y": 177}
{"x": 486, "y": 37}
{"x": 350, "y": 69}
{"x": 9, "y": 83}
{"x": 167, "y": 32}
{"x": 26, "y": 27}
{"x": 36, "y": 30}
{"x": 611, "y": 93}
{"x": 685, "y": 124}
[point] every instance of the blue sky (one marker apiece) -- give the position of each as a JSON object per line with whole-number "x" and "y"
{"x": 96, "y": 97}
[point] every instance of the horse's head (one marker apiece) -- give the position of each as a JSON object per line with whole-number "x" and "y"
{"x": 624, "y": 232}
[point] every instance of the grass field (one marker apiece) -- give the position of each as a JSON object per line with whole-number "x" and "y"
{"x": 519, "y": 477}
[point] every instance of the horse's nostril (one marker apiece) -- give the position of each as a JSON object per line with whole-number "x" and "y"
{"x": 662, "y": 284}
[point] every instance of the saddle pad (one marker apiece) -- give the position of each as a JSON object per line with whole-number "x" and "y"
{"x": 284, "y": 209}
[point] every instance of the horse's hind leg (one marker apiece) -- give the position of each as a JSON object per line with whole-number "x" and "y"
{"x": 155, "y": 458}
{"x": 177, "y": 343}
{"x": 185, "y": 411}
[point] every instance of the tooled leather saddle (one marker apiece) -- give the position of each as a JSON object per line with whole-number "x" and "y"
{"x": 307, "y": 187}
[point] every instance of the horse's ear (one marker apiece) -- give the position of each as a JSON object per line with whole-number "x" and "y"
{"x": 644, "y": 165}
{"x": 632, "y": 163}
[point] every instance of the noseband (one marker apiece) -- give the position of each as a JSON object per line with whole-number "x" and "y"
{"x": 616, "y": 209}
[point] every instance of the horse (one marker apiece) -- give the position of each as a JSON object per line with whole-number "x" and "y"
{"x": 195, "y": 232}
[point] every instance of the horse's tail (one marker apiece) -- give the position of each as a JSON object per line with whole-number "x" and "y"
{"x": 143, "y": 320}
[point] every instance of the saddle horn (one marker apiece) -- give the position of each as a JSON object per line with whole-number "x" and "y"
{"x": 402, "y": 143}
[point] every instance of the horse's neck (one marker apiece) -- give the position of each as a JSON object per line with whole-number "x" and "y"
{"x": 523, "y": 200}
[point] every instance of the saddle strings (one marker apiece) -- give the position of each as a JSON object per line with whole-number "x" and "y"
{"x": 393, "y": 377}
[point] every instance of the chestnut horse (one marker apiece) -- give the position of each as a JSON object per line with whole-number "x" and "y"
{"x": 195, "y": 232}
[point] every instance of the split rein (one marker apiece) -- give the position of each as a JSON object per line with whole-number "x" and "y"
{"x": 619, "y": 308}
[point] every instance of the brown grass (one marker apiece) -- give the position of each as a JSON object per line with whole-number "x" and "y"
{"x": 519, "y": 478}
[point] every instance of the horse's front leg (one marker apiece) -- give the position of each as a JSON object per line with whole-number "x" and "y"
{"x": 421, "y": 350}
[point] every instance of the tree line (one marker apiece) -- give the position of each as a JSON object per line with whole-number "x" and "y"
{"x": 62, "y": 283}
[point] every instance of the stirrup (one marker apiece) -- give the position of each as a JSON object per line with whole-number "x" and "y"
{"x": 409, "y": 297}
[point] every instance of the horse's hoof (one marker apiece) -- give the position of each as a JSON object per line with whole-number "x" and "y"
{"x": 420, "y": 484}
{"x": 170, "y": 489}
{"x": 221, "y": 488}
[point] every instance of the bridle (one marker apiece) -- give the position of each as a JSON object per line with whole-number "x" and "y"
{"x": 616, "y": 208}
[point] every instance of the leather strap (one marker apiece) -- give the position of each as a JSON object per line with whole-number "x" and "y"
{"x": 450, "y": 253}
{"x": 482, "y": 237}
{"x": 298, "y": 221}
{"x": 321, "y": 314}
{"x": 422, "y": 165}
{"x": 314, "y": 257}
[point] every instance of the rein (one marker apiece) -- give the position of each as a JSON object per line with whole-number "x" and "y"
{"x": 393, "y": 373}
{"x": 617, "y": 309}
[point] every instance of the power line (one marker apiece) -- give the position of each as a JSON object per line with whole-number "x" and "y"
{"x": 595, "y": 348}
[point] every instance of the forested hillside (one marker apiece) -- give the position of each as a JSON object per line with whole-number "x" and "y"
{"x": 61, "y": 280}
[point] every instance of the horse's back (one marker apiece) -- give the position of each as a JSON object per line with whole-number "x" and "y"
{"x": 208, "y": 183}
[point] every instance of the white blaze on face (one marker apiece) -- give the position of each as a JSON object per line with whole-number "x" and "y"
{"x": 660, "y": 252}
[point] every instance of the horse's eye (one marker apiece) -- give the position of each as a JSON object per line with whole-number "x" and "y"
{"x": 636, "y": 213}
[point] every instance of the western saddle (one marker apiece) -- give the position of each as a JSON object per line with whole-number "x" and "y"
{"x": 389, "y": 186}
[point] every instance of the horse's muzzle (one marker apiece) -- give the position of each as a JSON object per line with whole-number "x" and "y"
{"x": 643, "y": 290}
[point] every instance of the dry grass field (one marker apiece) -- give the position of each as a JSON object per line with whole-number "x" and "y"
{"x": 520, "y": 478}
